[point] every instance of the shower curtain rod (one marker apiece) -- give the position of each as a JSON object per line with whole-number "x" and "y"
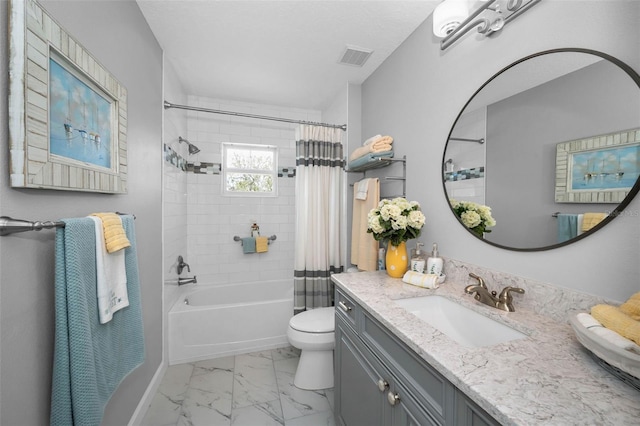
{"x": 480, "y": 141}
{"x": 168, "y": 105}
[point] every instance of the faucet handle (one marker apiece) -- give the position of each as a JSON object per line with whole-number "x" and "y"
{"x": 480, "y": 280}
{"x": 505, "y": 300}
{"x": 505, "y": 293}
{"x": 182, "y": 264}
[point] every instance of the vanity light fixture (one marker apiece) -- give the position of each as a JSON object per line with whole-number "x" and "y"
{"x": 454, "y": 18}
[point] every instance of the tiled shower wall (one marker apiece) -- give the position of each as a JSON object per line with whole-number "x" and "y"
{"x": 213, "y": 220}
{"x": 468, "y": 182}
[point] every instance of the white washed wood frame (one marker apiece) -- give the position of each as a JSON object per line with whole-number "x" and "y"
{"x": 564, "y": 150}
{"x": 33, "y": 36}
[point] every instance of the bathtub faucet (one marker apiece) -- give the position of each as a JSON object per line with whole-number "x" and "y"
{"x": 187, "y": 280}
{"x": 181, "y": 265}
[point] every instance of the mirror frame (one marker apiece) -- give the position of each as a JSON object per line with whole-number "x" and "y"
{"x": 614, "y": 213}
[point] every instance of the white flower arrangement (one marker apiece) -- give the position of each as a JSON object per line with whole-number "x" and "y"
{"x": 476, "y": 217}
{"x": 396, "y": 220}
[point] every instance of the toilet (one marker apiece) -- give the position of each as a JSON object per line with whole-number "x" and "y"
{"x": 313, "y": 333}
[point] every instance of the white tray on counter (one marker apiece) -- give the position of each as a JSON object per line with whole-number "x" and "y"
{"x": 622, "y": 363}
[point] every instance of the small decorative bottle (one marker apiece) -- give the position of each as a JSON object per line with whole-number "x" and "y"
{"x": 417, "y": 259}
{"x": 434, "y": 262}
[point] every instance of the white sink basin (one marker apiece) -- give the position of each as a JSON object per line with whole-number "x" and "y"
{"x": 461, "y": 324}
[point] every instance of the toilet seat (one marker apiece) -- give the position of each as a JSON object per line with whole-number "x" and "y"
{"x": 321, "y": 320}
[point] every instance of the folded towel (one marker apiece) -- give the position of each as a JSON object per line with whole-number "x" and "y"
{"x": 372, "y": 156}
{"x": 614, "y": 319}
{"x": 421, "y": 280}
{"x": 587, "y": 320}
{"x": 262, "y": 244}
{"x": 567, "y": 227}
{"x": 592, "y": 219}
{"x": 362, "y": 189}
{"x": 90, "y": 360}
{"x": 111, "y": 277}
{"x": 372, "y": 139}
{"x": 632, "y": 307}
{"x": 378, "y": 145}
{"x": 114, "y": 236}
{"x": 248, "y": 245}
{"x": 610, "y": 336}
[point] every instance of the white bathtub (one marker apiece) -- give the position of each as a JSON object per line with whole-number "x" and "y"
{"x": 222, "y": 320}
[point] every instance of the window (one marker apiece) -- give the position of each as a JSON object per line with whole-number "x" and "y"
{"x": 249, "y": 169}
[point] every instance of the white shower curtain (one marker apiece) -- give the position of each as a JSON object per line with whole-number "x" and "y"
{"x": 319, "y": 215}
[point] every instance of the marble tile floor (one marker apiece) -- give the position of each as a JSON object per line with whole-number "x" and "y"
{"x": 244, "y": 390}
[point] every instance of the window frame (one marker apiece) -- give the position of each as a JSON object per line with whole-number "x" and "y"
{"x": 225, "y": 146}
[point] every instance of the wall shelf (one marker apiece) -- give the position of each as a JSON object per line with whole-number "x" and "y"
{"x": 384, "y": 162}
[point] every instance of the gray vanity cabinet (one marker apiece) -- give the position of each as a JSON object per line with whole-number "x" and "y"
{"x": 380, "y": 381}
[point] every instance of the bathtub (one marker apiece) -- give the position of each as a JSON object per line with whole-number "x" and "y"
{"x": 213, "y": 321}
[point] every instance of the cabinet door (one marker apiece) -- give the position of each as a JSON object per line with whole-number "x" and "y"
{"x": 405, "y": 410}
{"x": 468, "y": 413}
{"x": 358, "y": 400}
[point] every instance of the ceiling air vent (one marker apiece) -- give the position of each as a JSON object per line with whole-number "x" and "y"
{"x": 355, "y": 56}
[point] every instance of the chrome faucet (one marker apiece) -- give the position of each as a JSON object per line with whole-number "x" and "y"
{"x": 187, "y": 280}
{"x": 182, "y": 264}
{"x": 503, "y": 302}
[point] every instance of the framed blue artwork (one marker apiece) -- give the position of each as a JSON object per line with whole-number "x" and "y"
{"x": 598, "y": 169}
{"x": 67, "y": 113}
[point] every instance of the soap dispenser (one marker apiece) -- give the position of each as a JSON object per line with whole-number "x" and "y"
{"x": 434, "y": 262}
{"x": 418, "y": 260}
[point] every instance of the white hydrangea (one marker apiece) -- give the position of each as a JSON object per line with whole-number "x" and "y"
{"x": 399, "y": 223}
{"x": 374, "y": 223}
{"x": 470, "y": 219}
{"x": 416, "y": 219}
{"x": 390, "y": 212}
{"x": 395, "y": 215}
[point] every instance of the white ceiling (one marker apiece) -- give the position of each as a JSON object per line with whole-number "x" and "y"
{"x": 282, "y": 53}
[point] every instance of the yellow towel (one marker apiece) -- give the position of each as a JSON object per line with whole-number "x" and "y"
{"x": 632, "y": 307}
{"x": 114, "y": 236}
{"x": 262, "y": 244}
{"x": 591, "y": 219}
{"x": 364, "y": 248}
{"x": 614, "y": 319}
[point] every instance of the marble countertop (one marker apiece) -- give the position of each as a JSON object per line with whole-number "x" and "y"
{"x": 547, "y": 378}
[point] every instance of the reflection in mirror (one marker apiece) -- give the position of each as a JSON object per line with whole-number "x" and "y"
{"x": 501, "y": 150}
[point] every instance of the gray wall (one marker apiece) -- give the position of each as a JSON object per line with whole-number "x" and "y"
{"x": 418, "y": 92}
{"x": 522, "y": 134}
{"x": 116, "y": 33}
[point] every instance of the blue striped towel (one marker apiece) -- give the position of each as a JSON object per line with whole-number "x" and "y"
{"x": 90, "y": 359}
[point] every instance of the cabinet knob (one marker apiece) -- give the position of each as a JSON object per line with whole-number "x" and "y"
{"x": 344, "y": 306}
{"x": 383, "y": 385}
{"x": 393, "y": 398}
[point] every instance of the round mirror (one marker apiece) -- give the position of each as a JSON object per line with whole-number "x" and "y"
{"x": 550, "y": 145}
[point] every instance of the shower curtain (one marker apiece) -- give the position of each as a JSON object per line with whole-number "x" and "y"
{"x": 318, "y": 251}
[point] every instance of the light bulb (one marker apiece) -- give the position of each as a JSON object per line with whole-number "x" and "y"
{"x": 448, "y": 15}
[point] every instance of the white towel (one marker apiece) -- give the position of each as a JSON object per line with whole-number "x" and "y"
{"x": 371, "y": 139}
{"x": 580, "y": 220}
{"x": 421, "y": 280}
{"x": 111, "y": 277}
{"x": 610, "y": 336}
{"x": 362, "y": 189}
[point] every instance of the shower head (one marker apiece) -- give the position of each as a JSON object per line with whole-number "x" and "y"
{"x": 192, "y": 148}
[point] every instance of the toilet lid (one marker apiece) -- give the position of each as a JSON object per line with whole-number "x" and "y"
{"x": 321, "y": 320}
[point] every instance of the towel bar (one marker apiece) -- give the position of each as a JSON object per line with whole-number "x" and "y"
{"x": 9, "y": 225}
{"x": 269, "y": 239}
